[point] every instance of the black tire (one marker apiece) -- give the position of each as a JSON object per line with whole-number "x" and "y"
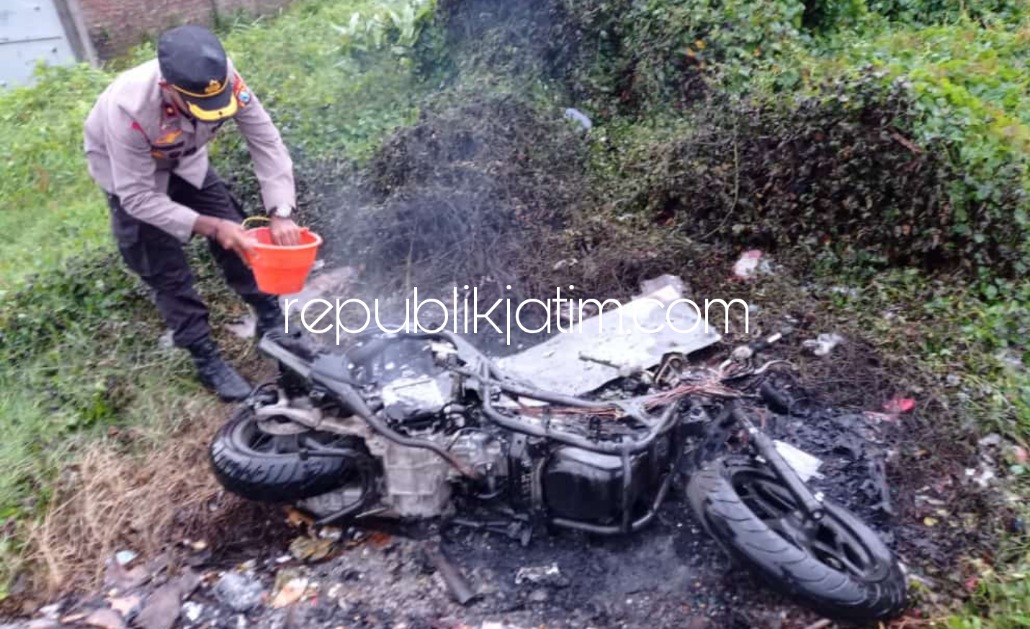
{"x": 868, "y": 585}
{"x": 246, "y": 466}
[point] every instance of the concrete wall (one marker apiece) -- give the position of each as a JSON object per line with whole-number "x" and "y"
{"x": 115, "y": 26}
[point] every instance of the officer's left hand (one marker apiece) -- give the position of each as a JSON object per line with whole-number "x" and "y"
{"x": 284, "y": 231}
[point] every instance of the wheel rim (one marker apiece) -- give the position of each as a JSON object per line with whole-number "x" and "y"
{"x": 255, "y": 441}
{"x": 830, "y": 540}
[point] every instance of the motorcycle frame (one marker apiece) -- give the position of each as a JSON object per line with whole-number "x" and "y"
{"x": 491, "y": 381}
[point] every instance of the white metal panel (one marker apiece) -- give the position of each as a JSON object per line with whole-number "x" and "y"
{"x": 612, "y": 344}
{"x": 30, "y": 31}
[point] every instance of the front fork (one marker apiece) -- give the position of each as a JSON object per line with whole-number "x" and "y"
{"x": 810, "y": 504}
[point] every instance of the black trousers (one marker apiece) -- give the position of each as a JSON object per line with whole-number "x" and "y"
{"x": 160, "y": 261}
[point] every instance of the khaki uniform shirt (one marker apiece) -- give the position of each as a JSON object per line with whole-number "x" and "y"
{"x": 136, "y": 139}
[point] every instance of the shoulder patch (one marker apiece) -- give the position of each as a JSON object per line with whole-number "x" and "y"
{"x": 240, "y": 90}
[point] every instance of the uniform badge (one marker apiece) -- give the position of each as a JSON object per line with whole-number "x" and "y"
{"x": 169, "y": 137}
{"x": 240, "y": 90}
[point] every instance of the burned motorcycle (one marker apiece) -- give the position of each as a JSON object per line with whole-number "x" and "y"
{"x": 424, "y": 426}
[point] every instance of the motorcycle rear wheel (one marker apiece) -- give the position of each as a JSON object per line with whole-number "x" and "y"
{"x": 838, "y": 566}
{"x": 270, "y": 468}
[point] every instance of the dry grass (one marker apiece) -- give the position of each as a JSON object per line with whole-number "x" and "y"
{"x": 130, "y": 491}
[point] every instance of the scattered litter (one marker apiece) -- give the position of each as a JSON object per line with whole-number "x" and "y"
{"x": 165, "y": 340}
{"x": 164, "y": 604}
{"x": 105, "y": 618}
{"x": 116, "y": 576}
{"x": 298, "y": 519}
{"x": 378, "y": 539}
{"x": 982, "y": 478}
{"x": 239, "y": 592}
{"x": 198, "y": 545}
{"x": 847, "y": 291}
{"x": 311, "y": 550}
{"x": 70, "y": 619}
{"x": 162, "y": 608}
{"x": 930, "y": 521}
{"x": 124, "y": 557}
{"x": 127, "y": 606}
{"x": 953, "y": 380}
{"x": 291, "y": 593}
{"x": 823, "y": 344}
{"x": 191, "y": 611}
{"x": 899, "y": 405}
{"x": 655, "y": 284}
{"x": 563, "y": 263}
{"x": 245, "y": 328}
{"x": 579, "y": 117}
{"x": 541, "y": 575}
{"x": 992, "y": 440}
{"x": 751, "y": 263}
{"x": 335, "y": 591}
{"x": 879, "y": 417}
{"x": 50, "y": 611}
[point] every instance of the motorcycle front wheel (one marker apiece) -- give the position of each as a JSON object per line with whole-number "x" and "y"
{"x": 837, "y": 565}
{"x": 263, "y": 467}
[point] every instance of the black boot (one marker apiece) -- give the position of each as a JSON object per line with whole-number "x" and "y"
{"x": 269, "y": 317}
{"x": 215, "y": 374}
{"x": 271, "y": 324}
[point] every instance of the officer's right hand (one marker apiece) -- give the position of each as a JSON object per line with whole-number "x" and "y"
{"x": 233, "y": 236}
{"x": 227, "y": 233}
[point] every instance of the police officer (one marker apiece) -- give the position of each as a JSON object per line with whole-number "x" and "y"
{"x": 145, "y": 145}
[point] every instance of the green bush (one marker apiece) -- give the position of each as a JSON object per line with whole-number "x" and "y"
{"x": 928, "y": 12}
{"x": 969, "y": 105}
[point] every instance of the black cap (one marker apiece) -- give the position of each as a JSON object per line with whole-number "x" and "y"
{"x": 193, "y": 62}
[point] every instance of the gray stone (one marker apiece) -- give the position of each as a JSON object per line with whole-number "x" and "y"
{"x": 239, "y": 592}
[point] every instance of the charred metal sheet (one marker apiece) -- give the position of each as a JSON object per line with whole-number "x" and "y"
{"x": 616, "y": 343}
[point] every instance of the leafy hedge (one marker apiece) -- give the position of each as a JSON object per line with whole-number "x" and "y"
{"x": 836, "y": 82}
{"x": 832, "y": 173}
{"x": 969, "y": 105}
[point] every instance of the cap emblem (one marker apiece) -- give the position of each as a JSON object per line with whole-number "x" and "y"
{"x": 213, "y": 87}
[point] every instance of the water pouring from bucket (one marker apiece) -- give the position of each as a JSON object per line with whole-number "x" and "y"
{"x": 281, "y": 270}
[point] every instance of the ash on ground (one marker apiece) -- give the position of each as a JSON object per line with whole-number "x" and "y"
{"x": 669, "y": 575}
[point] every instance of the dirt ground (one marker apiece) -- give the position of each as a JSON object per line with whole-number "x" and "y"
{"x": 669, "y": 575}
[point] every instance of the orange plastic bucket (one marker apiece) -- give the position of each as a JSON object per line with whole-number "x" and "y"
{"x": 282, "y": 270}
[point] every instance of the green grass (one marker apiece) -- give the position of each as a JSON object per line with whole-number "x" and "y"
{"x": 324, "y": 100}
{"x": 49, "y": 209}
{"x": 78, "y": 351}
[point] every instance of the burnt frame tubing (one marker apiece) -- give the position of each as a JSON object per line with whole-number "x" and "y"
{"x": 490, "y": 378}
